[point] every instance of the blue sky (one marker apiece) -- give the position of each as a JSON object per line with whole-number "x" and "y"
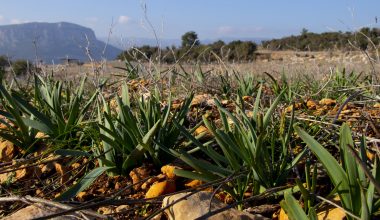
{"x": 211, "y": 19}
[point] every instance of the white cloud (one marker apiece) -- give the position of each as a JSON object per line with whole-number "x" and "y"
{"x": 2, "y": 18}
{"x": 123, "y": 19}
{"x": 225, "y": 30}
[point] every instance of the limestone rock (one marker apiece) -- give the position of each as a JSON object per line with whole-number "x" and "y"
{"x": 122, "y": 208}
{"x": 197, "y": 205}
{"x": 41, "y": 135}
{"x": 37, "y": 211}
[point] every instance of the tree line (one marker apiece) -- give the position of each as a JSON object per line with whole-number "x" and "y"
{"x": 192, "y": 50}
{"x": 18, "y": 67}
{"x": 365, "y": 38}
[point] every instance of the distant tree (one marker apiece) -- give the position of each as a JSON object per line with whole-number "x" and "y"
{"x": 189, "y": 39}
{"x": 3, "y": 65}
{"x": 148, "y": 51}
{"x": 4, "y": 61}
{"x": 304, "y": 31}
{"x": 21, "y": 67}
{"x": 217, "y": 46}
{"x": 326, "y": 41}
{"x": 241, "y": 50}
{"x": 235, "y": 50}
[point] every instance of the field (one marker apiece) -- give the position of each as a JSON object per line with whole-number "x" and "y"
{"x": 291, "y": 135}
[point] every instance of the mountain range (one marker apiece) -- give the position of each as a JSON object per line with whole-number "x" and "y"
{"x": 53, "y": 42}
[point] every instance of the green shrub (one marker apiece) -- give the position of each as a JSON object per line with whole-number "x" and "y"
{"x": 257, "y": 145}
{"x": 4, "y": 63}
{"x": 21, "y": 67}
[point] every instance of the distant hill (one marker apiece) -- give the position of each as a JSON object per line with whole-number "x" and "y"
{"x": 52, "y": 41}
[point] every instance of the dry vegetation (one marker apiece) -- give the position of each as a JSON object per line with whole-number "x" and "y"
{"x": 292, "y": 132}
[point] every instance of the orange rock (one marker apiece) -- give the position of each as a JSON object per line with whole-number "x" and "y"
{"x": 117, "y": 185}
{"x": 311, "y": 104}
{"x": 193, "y": 183}
{"x": 41, "y": 135}
{"x": 46, "y": 168}
{"x": 161, "y": 188}
{"x": 138, "y": 174}
{"x": 210, "y": 102}
{"x": 327, "y": 102}
{"x": 297, "y": 149}
{"x": 113, "y": 104}
{"x": 105, "y": 210}
{"x": 289, "y": 109}
{"x": 7, "y": 151}
{"x": 133, "y": 84}
{"x": 332, "y": 214}
{"x": 247, "y": 98}
{"x": 102, "y": 190}
{"x": 75, "y": 165}
{"x": 3, "y": 126}
{"x": 39, "y": 193}
{"x": 149, "y": 182}
{"x": 320, "y": 111}
{"x": 345, "y": 112}
{"x": 203, "y": 130}
{"x": 62, "y": 171}
{"x": 5, "y": 177}
{"x": 28, "y": 172}
{"x": 297, "y": 106}
{"x": 224, "y": 197}
{"x": 176, "y": 106}
{"x": 283, "y": 215}
{"x": 225, "y": 102}
{"x": 199, "y": 99}
{"x": 370, "y": 155}
{"x": 24, "y": 172}
{"x": 81, "y": 196}
{"x": 168, "y": 170}
{"x": 249, "y": 113}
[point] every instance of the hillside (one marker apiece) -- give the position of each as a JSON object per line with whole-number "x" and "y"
{"x": 51, "y": 42}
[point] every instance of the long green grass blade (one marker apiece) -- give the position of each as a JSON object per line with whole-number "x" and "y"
{"x": 293, "y": 208}
{"x": 333, "y": 168}
{"x": 83, "y": 184}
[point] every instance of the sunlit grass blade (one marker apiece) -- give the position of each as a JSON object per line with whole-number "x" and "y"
{"x": 333, "y": 168}
{"x": 83, "y": 184}
{"x": 293, "y": 208}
